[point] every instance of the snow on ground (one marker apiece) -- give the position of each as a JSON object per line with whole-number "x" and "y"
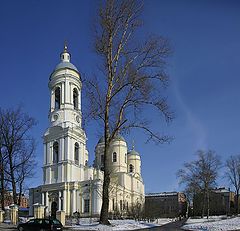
{"x": 214, "y": 224}
{"x": 86, "y": 224}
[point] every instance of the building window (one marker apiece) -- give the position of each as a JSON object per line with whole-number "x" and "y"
{"x": 86, "y": 163}
{"x": 75, "y": 98}
{"x": 113, "y": 205}
{"x": 44, "y": 175}
{"x": 114, "y": 157}
{"x": 55, "y": 152}
{"x": 121, "y": 205}
{"x": 130, "y": 168}
{"x": 56, "y": 173}
{"x": 102, "y": 160}
{"x": 76, "y": 153}
{"x": 57, "y": 98}
{"x": 125, "y": 157}
{"x": 86, "y": 205}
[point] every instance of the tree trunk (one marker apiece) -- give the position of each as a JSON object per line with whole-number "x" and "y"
{"x": 204, "y": 203}
{"x": 208, "y": 204}
{"x": 2, "y": 180}
{"x": 14, "y": 188}
{"x": 20, "y": 193}
{"x": 237, "y": 201}
{"x": 106, "y": 184}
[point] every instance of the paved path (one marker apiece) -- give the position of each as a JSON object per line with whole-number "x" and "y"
{"x": 173, "y": 226}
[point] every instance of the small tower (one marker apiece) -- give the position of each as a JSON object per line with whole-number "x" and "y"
{"x": 118, "y": 152}
{"x": 65, "y": 153}
{"x": 134, "y": 162}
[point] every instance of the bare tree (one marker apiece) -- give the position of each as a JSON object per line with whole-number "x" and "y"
{"x": 18, "y": 147}
{"x": 130, "y": 81}
{"x": 2, "y": 174}
{"x": 233, "y": 175}
{"x": 199, "y": 176}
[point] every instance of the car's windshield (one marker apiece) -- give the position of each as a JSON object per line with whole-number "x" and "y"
{"x": 56, "y": 222}
{"x": 30, "y": 222}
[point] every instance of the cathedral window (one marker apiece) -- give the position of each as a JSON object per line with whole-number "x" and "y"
{"x": 86, "y": 206}
{"x": 130, "y": 168}
{"x": 76, "y": 153}
{"x": 121, "y": 205}
{"x": 102, "y": 160}
{"x": 114, "y": 157}
{"x": 57, "y": 98}
{"x": 113, "y": 205}
{"x": 75, "y": 98}
{"x": 56, "y": 173}
{"x": 55, "y": 152}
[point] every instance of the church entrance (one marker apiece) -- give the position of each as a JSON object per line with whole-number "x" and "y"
{"x": 53, "y": 210}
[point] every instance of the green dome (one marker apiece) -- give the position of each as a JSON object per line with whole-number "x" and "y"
{"x": 133, "y": 152}
{"x": 117, "y": 138}
{"x": 101, "y": 140}
{"x": 120, "y": 138}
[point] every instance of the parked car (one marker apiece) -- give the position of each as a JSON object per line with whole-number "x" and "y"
{"x": 41, "y": 225}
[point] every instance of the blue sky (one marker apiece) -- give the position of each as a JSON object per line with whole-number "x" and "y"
{"x": 204, "y": 71}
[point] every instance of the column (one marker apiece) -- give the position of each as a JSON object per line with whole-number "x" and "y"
{"x": 52, "y": 101}
{"x": 70, "y": 93}
{"x": 62, "y": 148}
{"x": 44, "y": 154}
{"x": 66, "y": 139}
{"x": 64, "y": 200}
{"x": 73, "y": 200}
{"x": 47, "y": 201}
{"x": 63, "y": 93}
{"x": 59, "y": 200}
{"x": 66, "y": 92}
{"x": 47, "y": 153}
{"x": 43, "y": 201}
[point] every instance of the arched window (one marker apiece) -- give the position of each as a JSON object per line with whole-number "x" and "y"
{"x": 114, "y": 159}
{"x": 76, "y": 153}
{"x": 130, "y": 168}
{"x": 86, "y": 163}
{"x": 75, "y": 98}
{"x": 55, "y": 152}
{"x": 57, "y": 98}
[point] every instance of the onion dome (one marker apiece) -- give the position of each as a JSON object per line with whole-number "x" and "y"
{"x": 65, "y": 61}
{"x": 133, "y": 152}
{"x": 116, "y": 138}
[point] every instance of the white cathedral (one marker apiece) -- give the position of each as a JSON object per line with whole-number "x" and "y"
{"x": 69, "y": 183}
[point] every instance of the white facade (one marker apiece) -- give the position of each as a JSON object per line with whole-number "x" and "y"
{"x": 69, "y": 183}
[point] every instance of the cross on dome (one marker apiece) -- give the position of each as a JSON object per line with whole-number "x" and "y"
{"x": 65, "y": 55}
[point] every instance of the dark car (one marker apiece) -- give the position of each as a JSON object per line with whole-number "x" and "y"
{"x": 41, "y": 225}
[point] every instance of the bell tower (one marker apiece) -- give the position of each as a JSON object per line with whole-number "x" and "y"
{"x": 65, "y": 153}
{"x": 65, "y": 87}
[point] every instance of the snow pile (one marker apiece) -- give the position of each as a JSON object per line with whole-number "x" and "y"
{"x": 213, "y": 225}
{"x": 118, "y": 225}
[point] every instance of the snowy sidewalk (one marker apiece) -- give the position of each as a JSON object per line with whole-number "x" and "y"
{"x": 119, "y": 225}
{"x": 227, "y": 224}
{"x": 7, "y": 227}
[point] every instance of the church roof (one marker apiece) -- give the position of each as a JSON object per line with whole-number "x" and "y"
{"x": 118, "y": 137}
{"x": 64, "y": 64}
{"x": 65, "y": 60}
{"x": 133, "y": 152}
